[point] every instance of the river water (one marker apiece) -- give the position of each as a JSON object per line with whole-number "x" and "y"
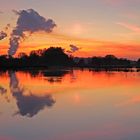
{"x": 69, "y": 105}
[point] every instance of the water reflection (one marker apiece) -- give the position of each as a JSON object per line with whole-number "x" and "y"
{"x": 28, "y": 104}
{"x": 54, "y": 76}
{"x": 90, "y": 105}
{"x": 2, "y": 90}
{"x": 55, "y": 73}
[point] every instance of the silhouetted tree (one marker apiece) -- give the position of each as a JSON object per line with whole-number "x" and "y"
{"x": 110, "y": 61}
{"x": 53, "y": 56}
{"x": 138, "y": 63}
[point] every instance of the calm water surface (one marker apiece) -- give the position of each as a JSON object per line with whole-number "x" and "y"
{"x": 69, "y": 105}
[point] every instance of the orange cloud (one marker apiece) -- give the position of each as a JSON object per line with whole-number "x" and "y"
{"x": 89, "y": 47}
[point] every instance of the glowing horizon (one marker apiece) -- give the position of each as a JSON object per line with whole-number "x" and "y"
{"x": 98, "y": 27}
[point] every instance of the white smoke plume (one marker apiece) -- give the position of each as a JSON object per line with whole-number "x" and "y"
{"x": 28, "y": 21}
{"x": 3, "y": 35}
{"x": 73, "y": 49}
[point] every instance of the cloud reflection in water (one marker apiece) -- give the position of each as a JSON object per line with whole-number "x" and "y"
{"x": 28, "y": 105}
{"x": 2, "y": 90}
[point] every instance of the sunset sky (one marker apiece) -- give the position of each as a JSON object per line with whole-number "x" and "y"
{"x": 97, "y": 27}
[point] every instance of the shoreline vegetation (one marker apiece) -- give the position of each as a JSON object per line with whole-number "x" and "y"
{"x": 55, "y": 57}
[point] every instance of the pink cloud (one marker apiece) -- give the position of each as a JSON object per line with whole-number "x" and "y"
{"x": 131, "y": 27}
{"x": 130, "y": 16}
{"x": 121, "y": 2}
{"x": 115, "y": 2}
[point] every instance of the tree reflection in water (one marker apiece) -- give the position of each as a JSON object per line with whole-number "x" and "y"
{"x": 54, "y": 76}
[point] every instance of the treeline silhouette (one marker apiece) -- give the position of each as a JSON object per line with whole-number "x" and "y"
{"x": 109, "y": 61}
{"x": 56, "y": 56}
{"x": 138, "y": 64}
{"x": 53, "y": 56}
